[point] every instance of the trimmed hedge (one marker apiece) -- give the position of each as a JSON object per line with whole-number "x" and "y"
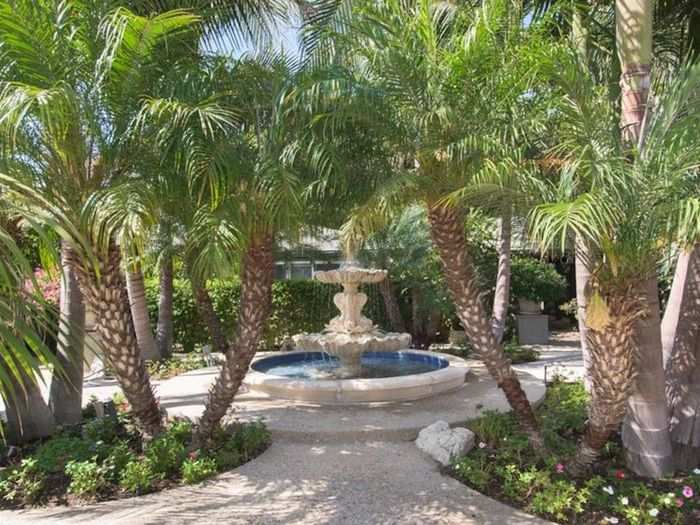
{"x": 297, "y": 306}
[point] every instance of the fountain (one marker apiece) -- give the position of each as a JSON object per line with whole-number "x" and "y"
{"x": 351, "y": 334}
{"x": 352, "y": 360}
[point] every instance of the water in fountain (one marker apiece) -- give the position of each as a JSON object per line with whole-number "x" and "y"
{"x": 350, "y": 334}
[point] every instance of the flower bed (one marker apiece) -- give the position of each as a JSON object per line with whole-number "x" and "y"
{"x": 103, "y": 458}
{"x": 504, "y": 467}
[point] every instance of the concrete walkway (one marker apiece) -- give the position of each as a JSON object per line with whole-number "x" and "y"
{"x": 327, "y": 466}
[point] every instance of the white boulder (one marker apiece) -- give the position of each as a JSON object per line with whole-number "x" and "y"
{"x": 443, "y": 443}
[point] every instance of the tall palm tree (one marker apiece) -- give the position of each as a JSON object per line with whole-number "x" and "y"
{"x": 68, "y": 131}
{"x": 446, "y": 82}
{"x": 619, "y": 215}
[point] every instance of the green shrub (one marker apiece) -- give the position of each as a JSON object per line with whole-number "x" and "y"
{"x": 519, "y": 484}
{"x": 87, "y": 478}
{"x": 23, "y": 484}
{"x": 53, "y": 455}
{"x": 138, "y": 477}
{"x": 475, "y": 470}
{"x": 297, "y": 306}
{"x": 119, "y": 457}
{"x": 194, "y": 470}
{"x": 492, "y": 427}
{"x": 558, "y": 499}
{"x": 105, "y": 429}
{"x": 537, "y": 281}
{"x": 240, "y": 443}
{"x": 165, "y": 454}
{"x": 180, "y": 429}
{"x": 519, "y": 354}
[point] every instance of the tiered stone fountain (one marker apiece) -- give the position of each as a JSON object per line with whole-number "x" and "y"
{"x": 352, "y": 360}
{"x": 350, "y": 334}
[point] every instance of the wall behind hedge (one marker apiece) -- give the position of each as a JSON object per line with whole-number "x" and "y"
{"x": 297, "y": 306}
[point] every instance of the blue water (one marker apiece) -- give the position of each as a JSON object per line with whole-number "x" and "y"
{"x": 318, "y": 365}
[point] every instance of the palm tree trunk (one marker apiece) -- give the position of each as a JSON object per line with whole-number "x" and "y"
{"x": 105, "y": 294}
{"x": 139, "y": 313}
{"x": 680, "y": 331}
{"x": 65, "y": 398}
{"x": 612, "y": 375}
{"x": 447, "y": 232}
{"x": 633, "y": 24}
{"x": 501, "y": 298}
{"x": 391, "y": 305}
{"x": 28, "y": 415}
{"x": 256, "y": 302}
{"x": 417, "y": 321}
{"x": 164, "y": 328}
{"x": 645, "y": 432}
{"x": 205, "y": 309}
{"x": 582, "y": 269}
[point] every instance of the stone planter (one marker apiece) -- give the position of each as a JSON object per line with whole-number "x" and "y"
{"x": 533, "y": 329}
{"x": 528, "y": 307}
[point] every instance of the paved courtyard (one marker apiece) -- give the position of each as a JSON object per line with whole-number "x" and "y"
{"x": 327, "y": 465}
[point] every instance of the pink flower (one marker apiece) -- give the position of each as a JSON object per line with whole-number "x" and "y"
{"x": 619, "y": 474}
{"x": 559, "y": 468}
{"x": 688, "y": 491}
{"x": 679, "y": 502}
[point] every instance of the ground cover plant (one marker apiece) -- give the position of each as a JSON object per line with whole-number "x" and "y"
{"x": 503, "y": 466}
{"x": 105, "y": 458}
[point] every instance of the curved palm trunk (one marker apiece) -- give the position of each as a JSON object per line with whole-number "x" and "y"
{"x": 612, "y": 376}
{"x": 106, "y": 295}
{"x": 256, "y": 302}
{"x": 582, "y": 270}
{"x": 680, "y": 331}
{"x": 65, "y": 398}
{"x": 501, "y": 298}
{"x": 645, "y": 433}
{"x": 139, "y": 313}
{"x": 447, "y": 232}
{"x": 391, "y": 305}
{"x": 164, "y": 328}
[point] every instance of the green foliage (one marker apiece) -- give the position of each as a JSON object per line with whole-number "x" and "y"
{"x": 87, "y": 478}
{"x": 103, "y": 429}
{"x": 52, "y": 456}
{"x": 240, "y": 443}
{"x": 476, "y": 470}
{"x": 22, "y": 484}
{"x": 194, "y": 470}
{"x": 559, "y": 499}
{"x": 519, "y": 354}
{"x": 537, "y": 281}
{"x": 120, "y": 455}
{"x": 297, "y": 306}
{"x": 493, "y": 427}
{"x": 180, "y": 429}
{"x": 167, "y": 368}
{"x": 138, "y": 477}
{"x": 165, "y": 454}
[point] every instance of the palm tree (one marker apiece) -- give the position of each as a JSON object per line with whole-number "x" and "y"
{"x": 447, "y": 83}
{"x": 68, "y": 128}
{"x": 619, "y": 215}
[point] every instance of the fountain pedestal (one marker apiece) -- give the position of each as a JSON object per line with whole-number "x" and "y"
{"x": 350, "y": 334}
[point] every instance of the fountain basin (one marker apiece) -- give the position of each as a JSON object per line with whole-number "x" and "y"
{"x": 425, "y": 374}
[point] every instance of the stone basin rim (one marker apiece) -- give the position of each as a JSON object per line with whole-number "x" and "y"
{"x": 362, "y": 390}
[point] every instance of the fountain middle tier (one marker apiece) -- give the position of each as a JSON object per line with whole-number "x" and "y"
{"x": 349, "y": 347}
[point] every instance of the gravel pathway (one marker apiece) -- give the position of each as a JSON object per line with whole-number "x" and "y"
{"x": 333, "y": 479}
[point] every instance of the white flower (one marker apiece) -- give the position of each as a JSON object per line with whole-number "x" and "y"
{"x": 696, "y": 471}
{"x": 612, "y": 519}
{"x": 653, "y": 513}
{"x": 667, "y": 500}
{"x": 609, "y": 490}
{"x": 482, "y": 444}
{"x": 624, "y": 500}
